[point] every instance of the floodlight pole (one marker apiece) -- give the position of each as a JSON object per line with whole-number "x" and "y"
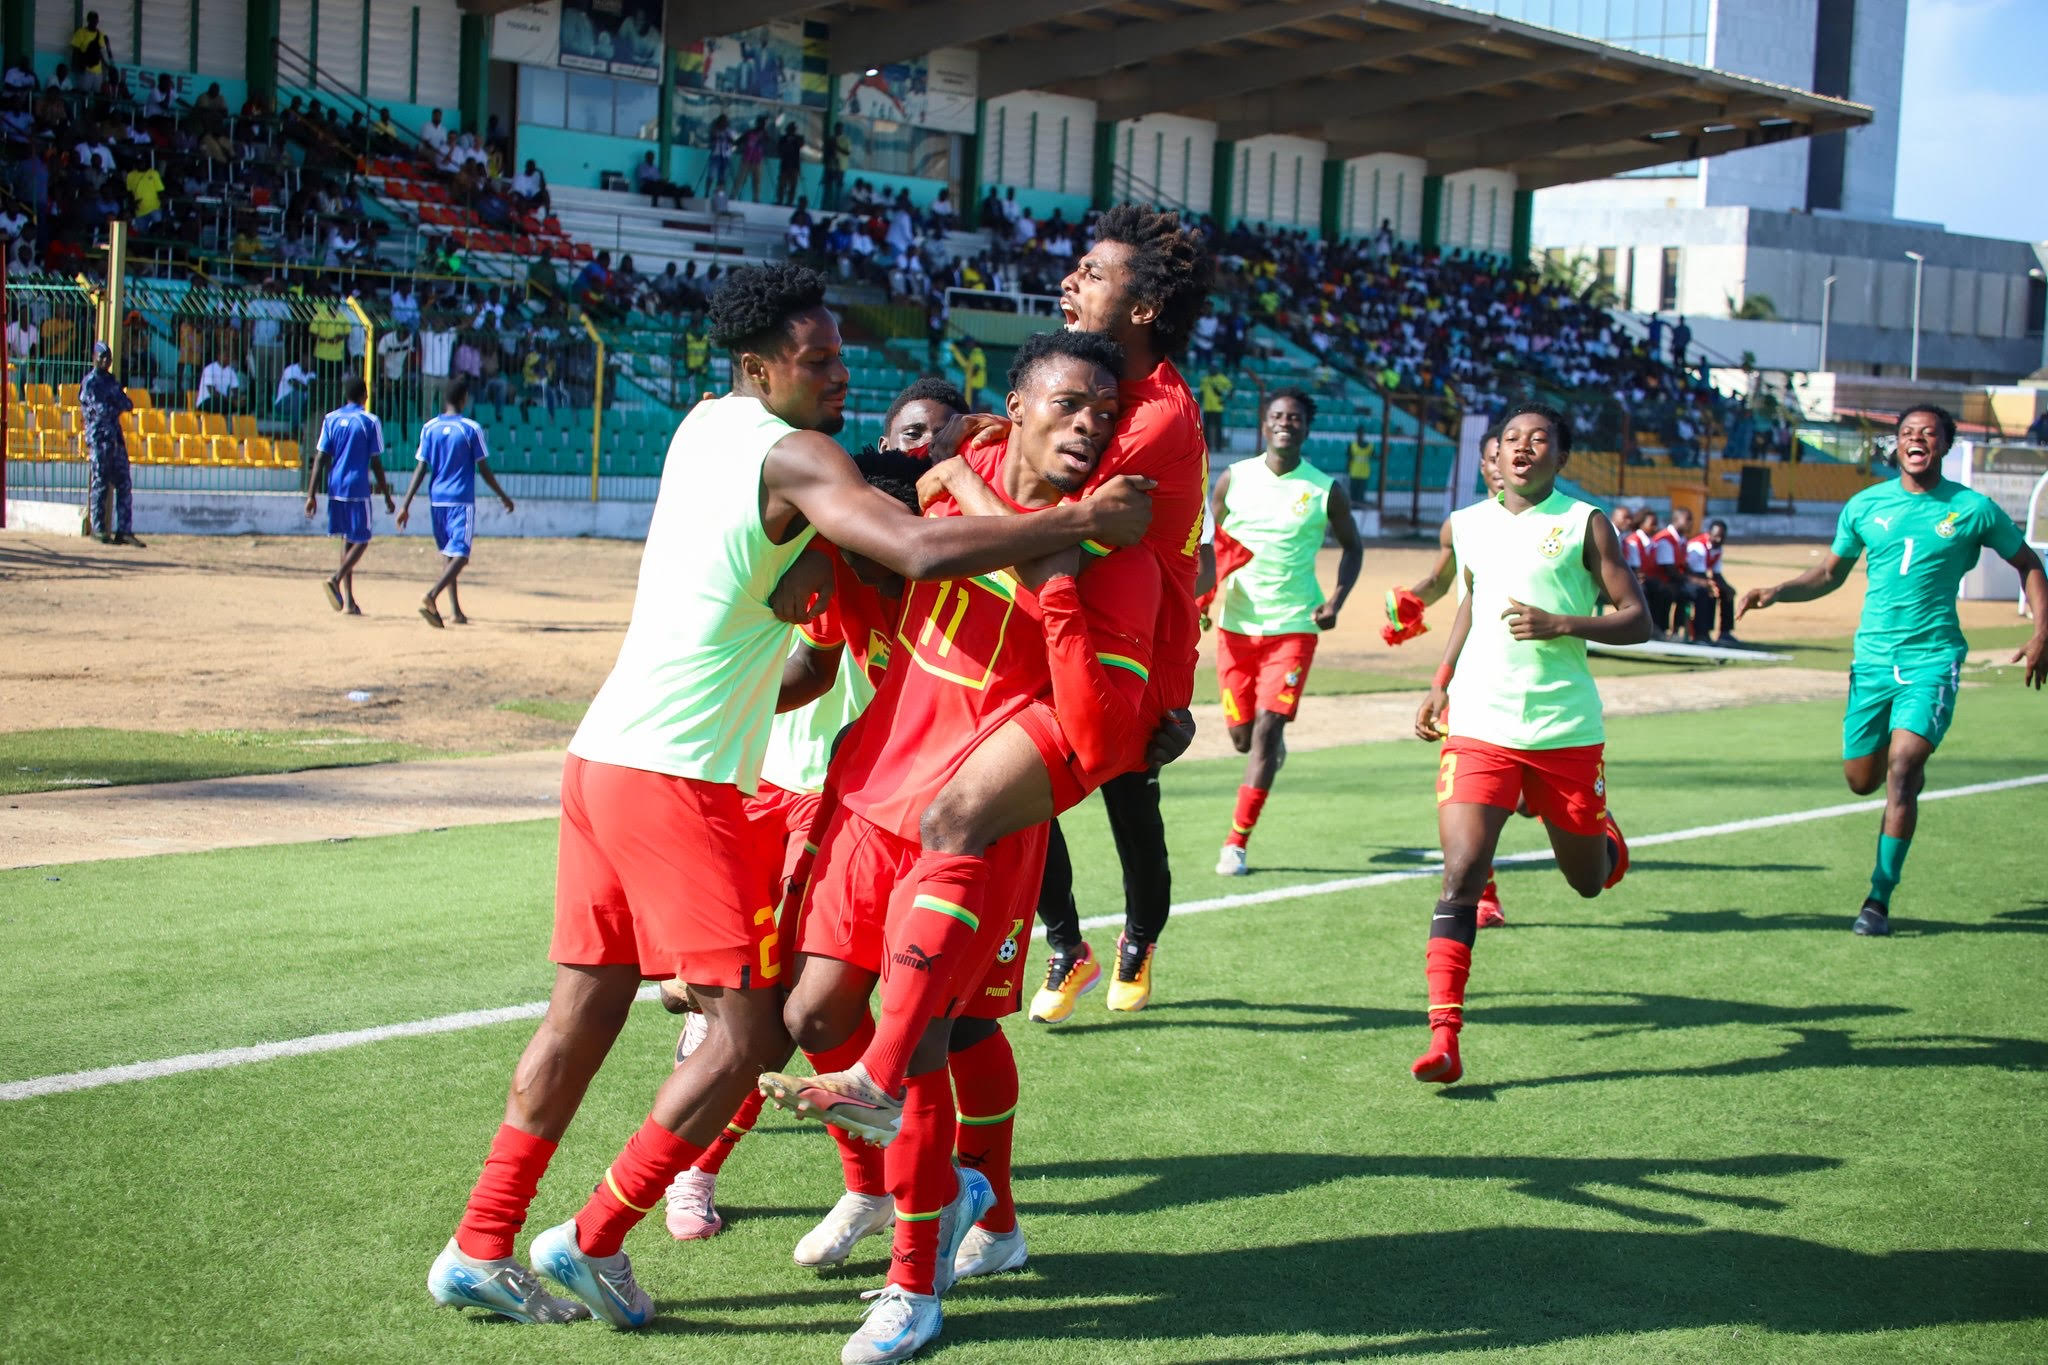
{"x": 1919, "y": 265}
{"x": 1827, "y": 299}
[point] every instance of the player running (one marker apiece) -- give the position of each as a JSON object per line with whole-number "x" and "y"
{"x": 350, "y": 442}
{"x": 899, "y": 893}
{"x": 1524, "y": 715}
{"x": 452, "y": 454}
{"x": 661, "y": 874}
{"x": 1404, "y": 622}
{"x": 1270, "y": 609}
{"x": 840, "y": 658}
{"x": 1923, "y": 533}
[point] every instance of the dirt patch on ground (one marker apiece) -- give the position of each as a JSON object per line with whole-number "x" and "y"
{"x": 216, "y": 632}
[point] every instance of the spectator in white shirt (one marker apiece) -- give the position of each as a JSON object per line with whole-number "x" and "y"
{"x": 220, "y": 387}
{"x": 490, "y": 314}
{"x": 293, "y": 386}
{"x": 95, "y": 159}
{"x": 435, "y": 134}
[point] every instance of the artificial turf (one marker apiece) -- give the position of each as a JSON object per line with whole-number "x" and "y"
{"x": 1700, "y": 1119}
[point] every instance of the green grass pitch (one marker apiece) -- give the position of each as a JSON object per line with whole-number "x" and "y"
{"x": 1700, "y": 1120}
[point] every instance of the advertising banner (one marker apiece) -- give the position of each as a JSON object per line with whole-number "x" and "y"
{"x": 612, "y": 37}
{"x": 530, "y": 35}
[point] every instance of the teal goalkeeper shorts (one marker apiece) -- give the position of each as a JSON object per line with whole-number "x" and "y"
{"x": 1886, "y": 697}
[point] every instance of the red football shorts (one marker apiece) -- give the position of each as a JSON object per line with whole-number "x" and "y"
{"x": 858, "y": 869}
{"x": 667, "y": 873}
{"x": 1567, "y": 788}
{"x": 791, "y": 814}
{"x": 1262, "y": 673}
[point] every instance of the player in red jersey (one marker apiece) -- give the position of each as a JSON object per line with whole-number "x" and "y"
{"x": 896, "y": 894}
{"x": 828, "y": 679}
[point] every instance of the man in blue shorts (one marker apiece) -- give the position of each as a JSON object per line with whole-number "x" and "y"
{"x": 350, "y": 442}
{"x": 452, "y": 454}
{"x": 1923, "y": 533}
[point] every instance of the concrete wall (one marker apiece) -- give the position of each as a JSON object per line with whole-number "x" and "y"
{"x": 1479, "y": 211}
{"x": 1037, "y": 141}
{"x": 284, "y": 514}
{"x": 1175, "y": 156}
{"x": 1384, "y": 187}
{"x": 1280, "y": 181}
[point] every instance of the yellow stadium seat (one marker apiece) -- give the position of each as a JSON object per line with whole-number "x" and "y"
{"x": 60, "y": 446}
{"x": 152, "y": 422}
{"x": 213, "y": 424}
{"x": 128, "y": 427}
{"x": 39, "y": 393}
{"x": 193, "y": 449}
{"x": 18, "y": 418}
{"x": 159, "y": 449}
{"x": 243, "y": 425}
{"x": 139, "y": 397}
{"x": 224, "y": 449}
{"x": 184, "y": 424}
{"x": 256, "y": 450}
{"x": 286, "y": 454}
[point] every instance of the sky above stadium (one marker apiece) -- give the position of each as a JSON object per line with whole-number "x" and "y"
{"x": 1973, "y": 111}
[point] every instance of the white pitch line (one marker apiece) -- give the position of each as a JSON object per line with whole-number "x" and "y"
{"x": 469, "y": 1019}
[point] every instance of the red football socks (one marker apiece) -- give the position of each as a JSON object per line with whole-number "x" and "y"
{"x": 920, "y": 1165}
{"x": 1446, "y": 965}
{"x": 632, "y": 1187}
{"x": 729, "y": 1137}
{"x": 862, "y": 1161}
{"x": 934, "y": 920}
{"x": 1250, "y": 801}
{"x": 497, "y": 1206}
{"x": 985, "y": 1100}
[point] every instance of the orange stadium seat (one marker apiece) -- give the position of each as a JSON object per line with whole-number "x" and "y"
{"x": 139, "y": 397}
{"x": 39, "y": 393}
{"x": 152, "y": 422}
{"x": 184, "y": 424}
{"x": 193, "y": 449}
{"x": 159, "y": 449}
{"x": 243, "y": 425}
{"x": 256, "y": 450}
{"x": 56, "y": 445}
{"x": 286, "y": 454}
{"x": 213, "y": 424}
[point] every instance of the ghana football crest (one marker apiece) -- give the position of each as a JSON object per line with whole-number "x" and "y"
{"x": 1552, "y": 544}
{"x": 1947, "y": 529}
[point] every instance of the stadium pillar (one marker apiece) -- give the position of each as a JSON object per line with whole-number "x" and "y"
{"x": 1105, "y": 164}
{"x": 1333, "y": 206}
{"x": 260, "y": 30}
{"x": 665, "y": 119}
{"x": 474, "y": 87}
{"x": 1522, "y": 231}
{"x": 18, "y": 31}
{"x": 1432, "y": 211}
{"x": 1224, "y": 184}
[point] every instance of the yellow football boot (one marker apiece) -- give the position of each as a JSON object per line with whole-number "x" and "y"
{"x": 1131, "y": 988}
{"x": 1067, "y": 979}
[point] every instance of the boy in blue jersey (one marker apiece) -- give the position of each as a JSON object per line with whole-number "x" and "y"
{"x": 1923, "y": 533}
{"x": 350, "y": 442}
{"x": 452, "y": 453}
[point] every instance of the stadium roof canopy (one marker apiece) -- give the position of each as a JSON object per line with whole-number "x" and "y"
{"x": 1459, "y": 88}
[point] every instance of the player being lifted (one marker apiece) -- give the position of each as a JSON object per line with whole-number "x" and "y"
{"x": 902, "y": 889}
{"x": 1404, "y": 622}
{"x": 1269, "y": 610}
{"x": 840, "y": 658}
{"x": 661, "y": 873}
{"x": 1923, "y": 533}
{"x": 1525, "y": 721}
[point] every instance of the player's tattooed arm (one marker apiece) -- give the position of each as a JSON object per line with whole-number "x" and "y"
{"x": 1627, "y": 624}
{"x": 1429, "y": 719}
{"x": 2034, "y": 583}
{"x": 1831, "y": 573}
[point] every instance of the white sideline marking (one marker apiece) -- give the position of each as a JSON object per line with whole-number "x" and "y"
{"x": 469, "y": 1019}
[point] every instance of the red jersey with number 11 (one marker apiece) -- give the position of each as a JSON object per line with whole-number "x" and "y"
{"x": 971, "y": 656}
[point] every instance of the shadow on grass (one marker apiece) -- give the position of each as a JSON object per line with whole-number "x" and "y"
{"x": 1173, "y": 1182}
{"x": 1628, "y": 1012}
{"x": 1415, "y": 1293}
{"x": 2033, "y": 920}
{"x": 1814, "y": 1050}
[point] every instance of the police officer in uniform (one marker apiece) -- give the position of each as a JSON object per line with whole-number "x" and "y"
{"x": 104, "y": 400}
